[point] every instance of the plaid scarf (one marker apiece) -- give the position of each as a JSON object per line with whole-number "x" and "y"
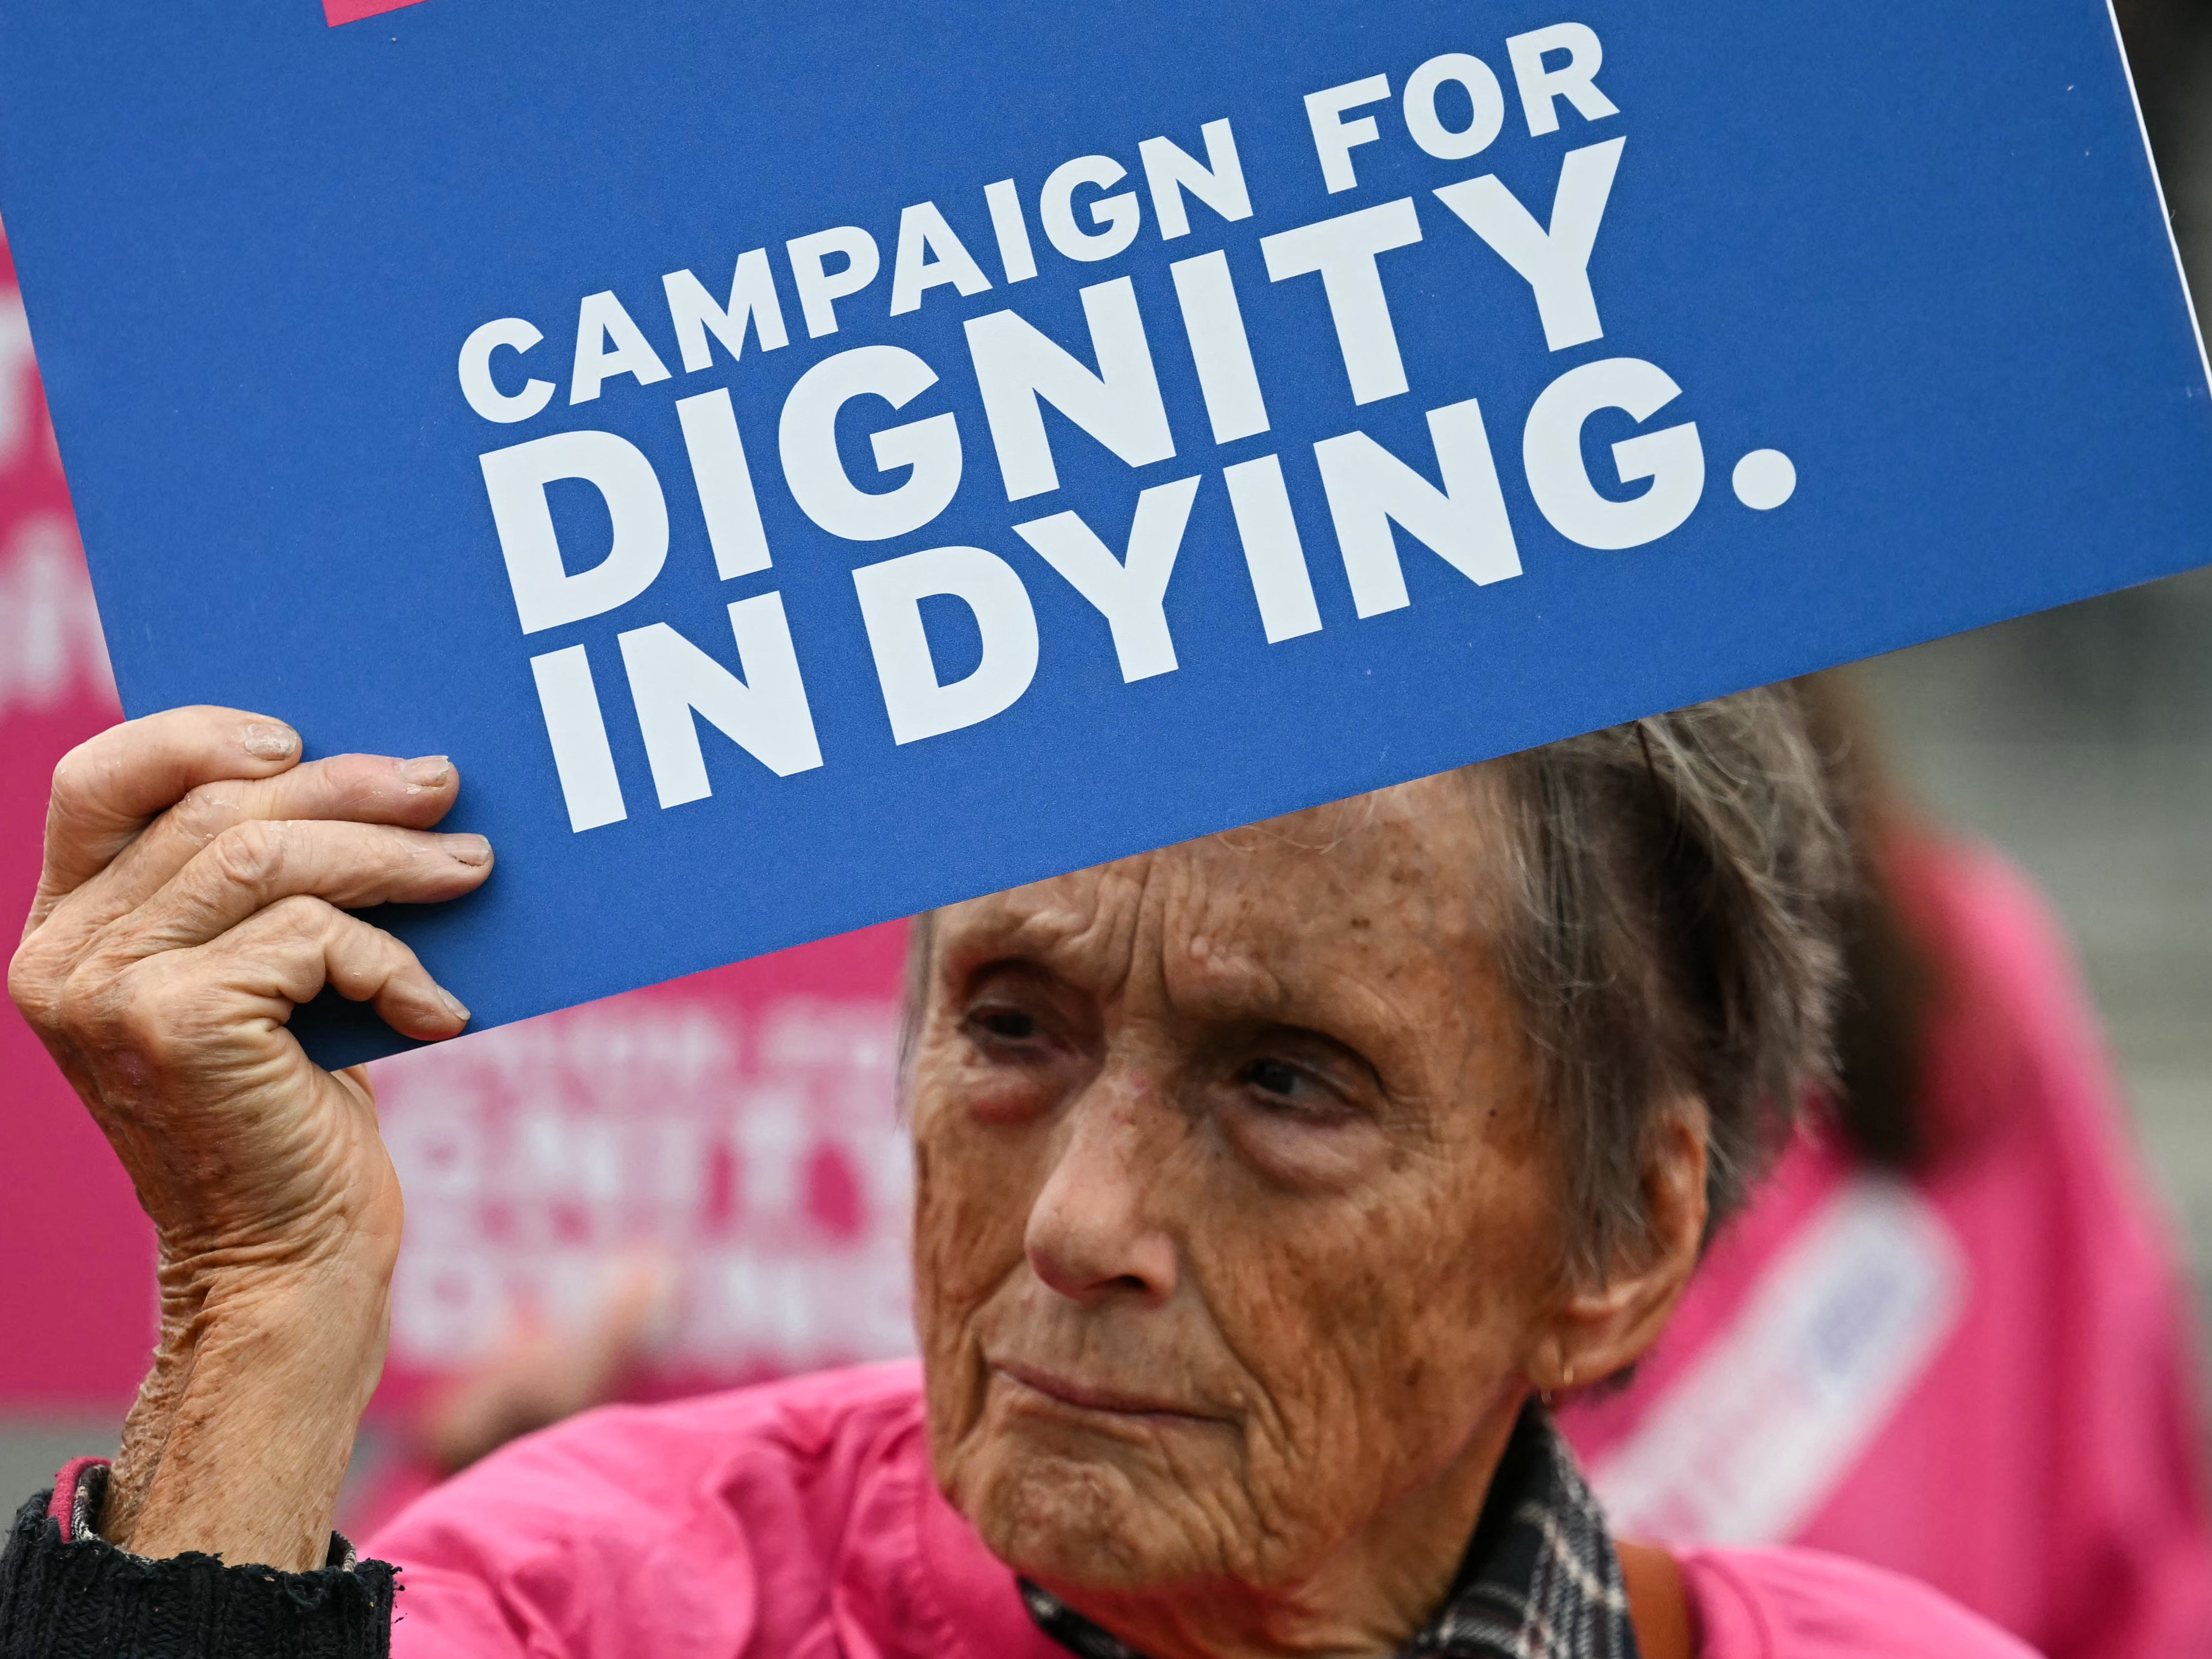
{"x": 1539, "y": 1579}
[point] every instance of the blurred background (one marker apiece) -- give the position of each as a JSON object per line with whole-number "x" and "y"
{"x": 2080, "y": 741}
{"x": 710, "y": 1172}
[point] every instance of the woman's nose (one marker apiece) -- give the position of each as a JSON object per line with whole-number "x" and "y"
{"x": 1095, "y": 1230}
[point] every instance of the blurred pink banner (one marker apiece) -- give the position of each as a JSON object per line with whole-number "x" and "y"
{"x": 77, "y": 1287}
{"x": 738, "y": 1127}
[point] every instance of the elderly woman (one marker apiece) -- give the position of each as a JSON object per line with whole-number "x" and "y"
{"x": 1266, "y": 1185}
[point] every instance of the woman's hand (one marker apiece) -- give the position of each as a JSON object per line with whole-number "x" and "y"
{"x": 195, "y": 890}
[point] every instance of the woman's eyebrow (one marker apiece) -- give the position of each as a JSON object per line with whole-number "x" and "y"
{"x": 1021, "y": 967}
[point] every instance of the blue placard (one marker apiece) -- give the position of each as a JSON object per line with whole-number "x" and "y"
{"x": 810, "y": 463}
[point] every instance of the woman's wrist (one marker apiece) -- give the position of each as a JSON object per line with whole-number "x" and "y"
{"x": 243, "y": 1431}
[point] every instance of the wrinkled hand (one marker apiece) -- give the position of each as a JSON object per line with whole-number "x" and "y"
{"x": 195, "y": 890}
{"x": 196, "y": 887}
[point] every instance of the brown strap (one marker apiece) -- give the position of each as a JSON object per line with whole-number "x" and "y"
{"x": 1657, "y": 1605}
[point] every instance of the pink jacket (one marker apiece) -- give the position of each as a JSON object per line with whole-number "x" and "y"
{"x": 1981, "y": 1378}
{"x": 799, "y": 1521}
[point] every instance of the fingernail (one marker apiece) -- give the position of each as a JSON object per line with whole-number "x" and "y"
{"x": 427, "y": 772}
{"x": 468, "y": 849}
{"x": 269, "y": 742}
{"x": 454, "y": 1005}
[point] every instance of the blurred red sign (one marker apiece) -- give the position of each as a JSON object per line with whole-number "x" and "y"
{"x": 352, "y": 11}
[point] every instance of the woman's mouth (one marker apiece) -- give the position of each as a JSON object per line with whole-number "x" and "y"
{"x": 1037, "y": 1383}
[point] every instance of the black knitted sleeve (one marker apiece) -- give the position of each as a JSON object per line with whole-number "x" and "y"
{"x": 84, "y": 1597}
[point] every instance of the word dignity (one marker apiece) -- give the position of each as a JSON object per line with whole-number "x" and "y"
{"x": 1108, "y": 392}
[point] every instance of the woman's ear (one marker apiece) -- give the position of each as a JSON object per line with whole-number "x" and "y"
{"x": 1600, "y": 1327}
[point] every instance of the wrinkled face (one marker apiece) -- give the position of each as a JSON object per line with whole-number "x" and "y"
{"x": 1234, "y": 1235}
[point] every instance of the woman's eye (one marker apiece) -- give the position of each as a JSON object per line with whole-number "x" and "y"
{"x": 1007, "y": 1024}
{"x": 1277, "y": 1077}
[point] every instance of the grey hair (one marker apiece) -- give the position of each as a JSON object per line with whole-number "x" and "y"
{"x": 1673, "y": 938}
{"x": 1669, "y": 936}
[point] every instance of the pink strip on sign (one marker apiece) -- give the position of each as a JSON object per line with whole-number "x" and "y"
{"x": 352, "y": 11}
